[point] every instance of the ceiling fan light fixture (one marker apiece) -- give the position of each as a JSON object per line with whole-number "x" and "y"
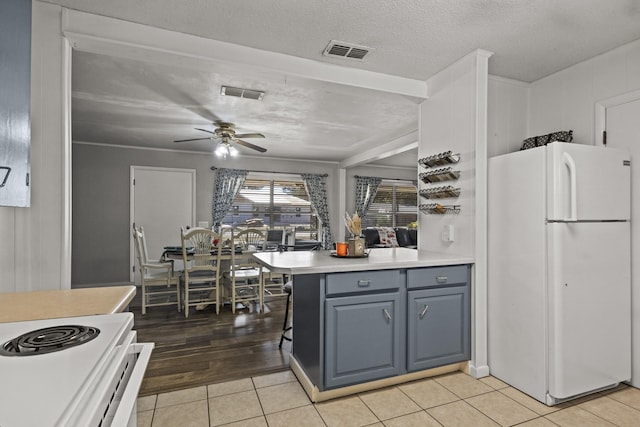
{"x": 222, "y": 150}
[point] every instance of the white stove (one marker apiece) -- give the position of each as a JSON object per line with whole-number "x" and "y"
{"x": 93, "y": 382}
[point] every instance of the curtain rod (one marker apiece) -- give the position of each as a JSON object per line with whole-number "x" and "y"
{"x": 213, "y": 168}
{"x": 395, "y": 180}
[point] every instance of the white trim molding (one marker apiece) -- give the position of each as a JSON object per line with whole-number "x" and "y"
{"x": 600, "y": 119}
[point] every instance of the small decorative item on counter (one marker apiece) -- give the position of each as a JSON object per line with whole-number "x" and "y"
{"x": 356, "y": 247}
{"x": 342, "y": 248}
{"x": 353, "y": 223}
{"x": 356, "y": 242}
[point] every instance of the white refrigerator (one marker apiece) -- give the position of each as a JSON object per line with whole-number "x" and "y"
{"x": 559, "y": 270}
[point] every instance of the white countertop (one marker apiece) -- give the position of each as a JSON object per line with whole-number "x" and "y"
{"x": 312, "y": 262}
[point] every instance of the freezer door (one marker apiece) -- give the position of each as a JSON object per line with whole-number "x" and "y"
{"x": 589, "y": 293}
{"x": 585, "y": 182}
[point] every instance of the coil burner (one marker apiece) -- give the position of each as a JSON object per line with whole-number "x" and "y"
{"x": 48, "y": 340}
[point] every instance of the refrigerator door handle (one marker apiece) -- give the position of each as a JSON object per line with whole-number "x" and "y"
{"x": 568, "y": 161}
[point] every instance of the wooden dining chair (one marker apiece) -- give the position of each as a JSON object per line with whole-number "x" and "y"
{"x": 201, "y": 279}
{"x": 245, "y": 274}
{"x": 159, "y": 284}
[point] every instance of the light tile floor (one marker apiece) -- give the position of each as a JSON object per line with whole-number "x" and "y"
{"x": 449, "y": 400}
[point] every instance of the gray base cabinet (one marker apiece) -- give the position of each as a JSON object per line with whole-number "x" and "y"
{"x": 364, "y": 343}
{"x": 438, "y": 327}
{"x": 354, "y": 327}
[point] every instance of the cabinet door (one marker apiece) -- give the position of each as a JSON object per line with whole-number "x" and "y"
{"x": 15, "y": 98}
{"x": 362, "y": 338}
{"x": 438, "y": 327}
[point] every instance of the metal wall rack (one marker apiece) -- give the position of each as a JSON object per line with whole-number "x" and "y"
{"x": 439, "y": 175}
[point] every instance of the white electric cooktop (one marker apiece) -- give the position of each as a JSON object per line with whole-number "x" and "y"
{"x": 38, "y": 389}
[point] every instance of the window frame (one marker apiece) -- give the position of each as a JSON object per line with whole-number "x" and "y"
{"x": 272, "y": 179}
{"x": 394, "y": 212}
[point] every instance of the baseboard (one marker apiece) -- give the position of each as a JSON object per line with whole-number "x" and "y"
{"x": 315, "y": 395}
{"x": 478, "y": 371}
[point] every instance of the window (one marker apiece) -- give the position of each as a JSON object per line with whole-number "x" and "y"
{"x": 275, "y": 204}
{"x": 395, "y": 205}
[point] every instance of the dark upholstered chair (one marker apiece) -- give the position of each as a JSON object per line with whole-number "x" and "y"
{"x": 407, "y": 238}
{"x": 404, "y": 239}
{"x": 371, "y": 237}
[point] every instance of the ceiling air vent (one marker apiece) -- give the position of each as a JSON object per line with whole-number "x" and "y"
{"x": 242, "y": 93}
{"x": 346, "y": 50}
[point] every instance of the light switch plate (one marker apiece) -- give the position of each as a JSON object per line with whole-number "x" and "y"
{"x": 448, "y": 233}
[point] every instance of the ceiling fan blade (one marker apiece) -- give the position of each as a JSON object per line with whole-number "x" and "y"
{"x": 192, "y": 139}
{"x": 204, "y": 130}
{"x": 250, "y": 145}
{"x": 249, "y": 135}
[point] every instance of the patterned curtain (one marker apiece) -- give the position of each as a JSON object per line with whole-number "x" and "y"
{"x": 366, "y": 189}
{"x": 228, "y": 183}
{"x": 317, "y": 189}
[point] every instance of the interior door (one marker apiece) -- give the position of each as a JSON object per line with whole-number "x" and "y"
{"x": 623, "y": 131}
{"x": 162, "y": 201}
{"x": 589, "y": 306}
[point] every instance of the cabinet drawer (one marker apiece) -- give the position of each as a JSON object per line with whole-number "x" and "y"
{"x": 451, "y": 275}
{"x": 362, "y": 281}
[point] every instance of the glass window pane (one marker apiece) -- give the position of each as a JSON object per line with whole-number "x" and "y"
{"x": 275, "y": 204}
{"x": 395, "y": 205}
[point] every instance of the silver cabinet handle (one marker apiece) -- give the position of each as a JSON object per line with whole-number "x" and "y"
{"x": 441, "y": 279}
{"x": 386, "y": 314}
{"x": 424, "y": 311}
{"x": 364, "y": 283}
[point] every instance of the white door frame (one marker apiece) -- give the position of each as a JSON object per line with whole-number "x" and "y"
{"x": 132, "y": 174}
{"x": 600, "y": 120}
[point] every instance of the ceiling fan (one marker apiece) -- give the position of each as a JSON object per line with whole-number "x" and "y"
{"x": 225, "y": 135}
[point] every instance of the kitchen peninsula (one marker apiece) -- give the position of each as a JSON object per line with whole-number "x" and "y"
{"x": 393, "y": 316}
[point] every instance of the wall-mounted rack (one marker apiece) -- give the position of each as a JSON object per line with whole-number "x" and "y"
{"x": 438, "y": 209}
{"x": 439, "y": 159}
{"x": 440, "y": 192}
{"x": 439, "y": 175}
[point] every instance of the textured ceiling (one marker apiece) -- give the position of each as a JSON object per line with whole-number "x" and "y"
{"x": 125, "y": 100}
{"x": 411, "y": 38}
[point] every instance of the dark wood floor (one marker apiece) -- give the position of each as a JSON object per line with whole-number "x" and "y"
{"x": 207, "y": 348}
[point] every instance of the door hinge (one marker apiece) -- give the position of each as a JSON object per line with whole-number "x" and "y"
{"x": 134, "y": 181}
{"x": 604, "y": 137}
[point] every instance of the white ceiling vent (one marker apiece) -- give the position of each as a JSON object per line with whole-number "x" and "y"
{"x": 346, "y": 50}
{"x": 242, "y": 93}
